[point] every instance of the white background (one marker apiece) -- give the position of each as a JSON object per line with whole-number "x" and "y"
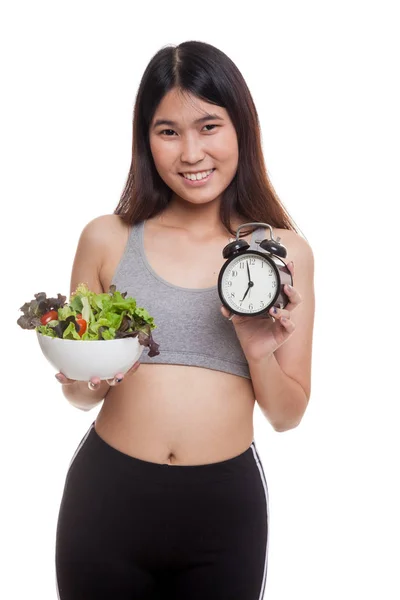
{"x": 324, "y": 78}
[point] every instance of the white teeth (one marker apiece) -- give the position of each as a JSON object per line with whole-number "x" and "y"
{"x": 197, "y": 176}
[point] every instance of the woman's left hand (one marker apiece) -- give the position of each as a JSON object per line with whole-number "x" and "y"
{"x": 261, "y": 336}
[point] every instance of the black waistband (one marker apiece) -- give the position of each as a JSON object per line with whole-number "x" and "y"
{"x": 240, "y": 465}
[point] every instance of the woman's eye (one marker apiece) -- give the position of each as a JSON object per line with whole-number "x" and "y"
{"x": 164, "y": 130}
{"x": 170, "y": 132}
{"x": 210, "y": 125}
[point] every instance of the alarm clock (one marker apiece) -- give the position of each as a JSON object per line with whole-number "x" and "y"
{"x": 251, "y": 281}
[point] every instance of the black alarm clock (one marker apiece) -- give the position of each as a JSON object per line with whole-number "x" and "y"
{"x": 251, "y": 281}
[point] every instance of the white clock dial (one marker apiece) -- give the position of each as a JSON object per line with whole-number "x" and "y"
{"x": 235, "y": 286}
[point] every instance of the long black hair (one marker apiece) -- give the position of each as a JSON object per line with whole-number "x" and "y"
{"x": 209, "y": 74}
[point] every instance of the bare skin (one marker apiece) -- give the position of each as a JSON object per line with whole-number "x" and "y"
{"x": 174, "y": 414}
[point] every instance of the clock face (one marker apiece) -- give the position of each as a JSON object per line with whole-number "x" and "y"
{"x": 249, "y": 283}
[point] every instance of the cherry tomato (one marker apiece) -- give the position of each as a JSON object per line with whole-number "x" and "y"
{"x": 51, "y": 315}
{"x": 82, "y": 326}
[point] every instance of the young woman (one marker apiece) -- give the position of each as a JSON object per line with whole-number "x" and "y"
{"x": 166, "y": 496}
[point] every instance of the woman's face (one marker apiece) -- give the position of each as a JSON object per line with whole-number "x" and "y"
{"x": 189, "y": 136}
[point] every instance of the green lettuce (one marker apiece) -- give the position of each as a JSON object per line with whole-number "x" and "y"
{"x": 108, "y": 316}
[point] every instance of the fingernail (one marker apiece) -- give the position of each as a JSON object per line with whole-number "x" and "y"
{"x": 289, "y": 287}
{"x": 291, "y": 263}
{"x": 58, "y": 377}
{"x": 118, "y": 379}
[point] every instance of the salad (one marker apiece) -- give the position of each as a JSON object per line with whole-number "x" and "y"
{"x": 89, "y": 316}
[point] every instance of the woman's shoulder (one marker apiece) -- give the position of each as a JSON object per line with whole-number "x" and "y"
{"x": 105, "y": 227}
{"x": 102, "y": 238}
{"x": 104, "y": 230}
{"x": 106, "y": 237}
{"x": 296, "y": 245}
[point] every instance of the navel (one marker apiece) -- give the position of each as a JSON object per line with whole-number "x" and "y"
{"x": 171, "y": 458}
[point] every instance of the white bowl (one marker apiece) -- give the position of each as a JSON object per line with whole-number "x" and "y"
{"x": 83, "y": 359}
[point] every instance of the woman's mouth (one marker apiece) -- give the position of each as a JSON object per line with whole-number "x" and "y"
{"x": 197, "y": 179}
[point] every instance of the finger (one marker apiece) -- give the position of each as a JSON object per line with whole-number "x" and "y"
{"x": 94, "y": 383}
{"x": 290, "y": 266}
{"x": 230, "y": 316}
{"x": 287, "y": 324}
{"x": 293, "y": 295}
{"x": 117, "y": 379}
{"x": 278, "y": 313}
{"x": 225, "y": 312}
{"x": 63, "y": 379}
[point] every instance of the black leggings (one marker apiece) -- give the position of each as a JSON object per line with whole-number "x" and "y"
{"x": 130, "y": 529}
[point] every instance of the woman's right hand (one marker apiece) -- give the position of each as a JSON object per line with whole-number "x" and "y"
{"x": 95, "y": 382}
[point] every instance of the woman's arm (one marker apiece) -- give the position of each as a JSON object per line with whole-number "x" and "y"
{"x": 282, "y": 399}
{"x": 282, "y": 381}
{"x": 89, "y": 256}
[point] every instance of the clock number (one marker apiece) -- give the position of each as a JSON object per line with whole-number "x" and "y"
{"x": 229, "y": 283}
{"x": 241, "y": 265}
{"x": 233, "y": 294}
{"x": 274, "y": 284}
{"x": 250, "y": 307}
{"x": 252, "y": 261}
{"x": 262, "y": 304}
{"x": 234, "y": 273}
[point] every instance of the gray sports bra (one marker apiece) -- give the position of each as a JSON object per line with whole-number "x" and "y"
{"x": 190, "y": 327}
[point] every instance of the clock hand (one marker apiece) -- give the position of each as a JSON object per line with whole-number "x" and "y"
{"x": 248, "y": 270}
{"x": 247, "y": 291}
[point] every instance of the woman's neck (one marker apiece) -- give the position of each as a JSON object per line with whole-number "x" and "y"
{"x": 202, "y": 220}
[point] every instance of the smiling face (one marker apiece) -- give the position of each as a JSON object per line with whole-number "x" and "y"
{"x": 192, "y": 137}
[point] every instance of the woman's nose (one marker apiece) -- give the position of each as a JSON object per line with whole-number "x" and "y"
{"x": 191, "y": 151}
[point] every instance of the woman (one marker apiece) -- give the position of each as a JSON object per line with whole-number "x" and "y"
{"x": 166, "y": 496}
